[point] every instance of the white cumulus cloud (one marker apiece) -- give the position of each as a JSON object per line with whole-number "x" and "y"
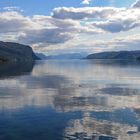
{"x": 86, "y": 2}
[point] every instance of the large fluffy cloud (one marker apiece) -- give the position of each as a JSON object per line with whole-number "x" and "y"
{"x": 111, "y": 19}
{"x": 118, "y": 25}
{"x": 14, "y": 22}
{"x": 49, "y": 36}
{"x": 84, "y": 13}
{"x": 66, "y": 24}
{"x": 40, "y": 28}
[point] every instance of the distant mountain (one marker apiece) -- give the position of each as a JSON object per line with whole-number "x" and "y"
{"x": 41, "y": 56}
{"x": 133, "y": 55}
{"x": 67, "y": 56}
{"x": 14, "y": 52}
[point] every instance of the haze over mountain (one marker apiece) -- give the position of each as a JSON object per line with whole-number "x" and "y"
{"x": 62, "y": 56}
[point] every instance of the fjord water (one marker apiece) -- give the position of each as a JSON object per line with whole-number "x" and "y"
{"x": 70, "y": 100}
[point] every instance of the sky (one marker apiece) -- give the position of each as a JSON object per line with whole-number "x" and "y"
{"x": 71, "y": 26}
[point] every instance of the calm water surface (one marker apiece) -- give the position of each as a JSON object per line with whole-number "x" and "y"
{"x": 70, "y": 100}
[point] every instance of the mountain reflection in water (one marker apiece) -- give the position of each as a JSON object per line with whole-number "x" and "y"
{"x": 70, "y": 100}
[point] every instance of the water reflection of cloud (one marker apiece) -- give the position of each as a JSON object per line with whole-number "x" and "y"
{"x": 90, "y": 128}
{"x": 46, "y": 81}
{"x": 70, "y": 94}
{"x": 87, "y": 71}
{"x": 94, "y": 89}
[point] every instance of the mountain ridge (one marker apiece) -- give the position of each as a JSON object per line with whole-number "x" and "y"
{"x": 133, "y": 55}
{"x": 15, "y": 52}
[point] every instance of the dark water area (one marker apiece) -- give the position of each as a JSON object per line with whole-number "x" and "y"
{"x": 70, "y": 100}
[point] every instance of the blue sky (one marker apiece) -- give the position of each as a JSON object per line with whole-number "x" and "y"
{"x": 32, "y": 7}
{"x": 67, "y": 26}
